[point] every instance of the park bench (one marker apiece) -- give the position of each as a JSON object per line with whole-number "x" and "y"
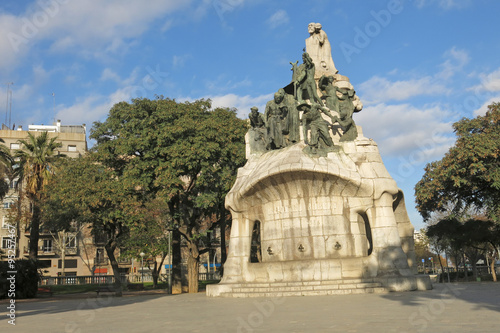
{"x": 44, "y": 291}
{"x": 135, "y": 286}
{"x": 105, "y": 288}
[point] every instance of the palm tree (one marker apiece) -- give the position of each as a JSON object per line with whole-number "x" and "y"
{"x": 6, "y": 163}
{"x": 35, "y": 170}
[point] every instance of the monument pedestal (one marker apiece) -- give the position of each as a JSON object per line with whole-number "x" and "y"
{"x": 327, "y": 225}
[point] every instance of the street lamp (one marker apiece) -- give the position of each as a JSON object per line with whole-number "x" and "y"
{"x": 170, "y": 261}
{"x": 142, "y": 254}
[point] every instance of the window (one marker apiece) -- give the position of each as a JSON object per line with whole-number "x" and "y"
{"x": 70, "y": 241}
{"x": 6, "y": 242}
{"x": 99, "y": 256}
{"x": 6, "y": 204}
{"x": 71, "y": 148}
{"x": 68, "y": 263}
{"x": 5, "y": 222}
{"x": 44, "y": 263}
{"x": 15, "y": 146}
{"x": 47, "y": 245}
{"x": 13, "y": 184}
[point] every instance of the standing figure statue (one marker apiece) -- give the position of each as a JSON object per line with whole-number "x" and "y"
{"x": 305, "y": 81}
{"x": 320, "y": 50}
{"x": 346, "y": 110}
{"x": 257, "y": 131}
{"x": 319, "y": 127}
{"x": 326, "y": 84}
{"x": 292, "y": 127}
{"x": 275, "y": 112}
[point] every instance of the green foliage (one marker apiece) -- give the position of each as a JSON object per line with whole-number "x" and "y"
{"x": 36, "y": 162}
{"x": 88, "y": 192}
{"x": 185, "y": 153}
{"x": 26, "y": 279}
{"x": 6, "y": 173}
{"x": 149, "y": 233}
{"x": 469, "y": 174}
{"x": 35, "y": 169}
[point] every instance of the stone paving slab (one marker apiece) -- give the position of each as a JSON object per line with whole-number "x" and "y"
{"x": 466, "y": 307}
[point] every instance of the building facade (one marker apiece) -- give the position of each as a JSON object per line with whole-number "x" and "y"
{"x": 60, "y": 253}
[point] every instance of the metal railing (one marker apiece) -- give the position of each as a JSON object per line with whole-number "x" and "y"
{"x": 212, "y": 276}
{"x": 76, "y": 280}
{"x": 110, "y": 279}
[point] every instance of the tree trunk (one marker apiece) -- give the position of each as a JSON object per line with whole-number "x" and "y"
{"x": 34, "y": 232}
{"x": 63, "y": 254}
{"x": 193, "y": 264}
{"x": 492, "y": 265}
{"x": 442, "y": 268}
{"x": 155, "y": 274}
{"x": 466, "y": 270}
{"x": 457, "y": 263}
{"x": 176, "y": 263}
{"x": 110, "y": 250}
{"x": 223, "y": 253}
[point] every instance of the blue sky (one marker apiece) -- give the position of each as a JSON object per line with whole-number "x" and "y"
{"x": 417, "y": 65}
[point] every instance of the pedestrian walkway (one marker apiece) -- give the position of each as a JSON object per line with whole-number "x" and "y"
{"x": 465, "y": 307}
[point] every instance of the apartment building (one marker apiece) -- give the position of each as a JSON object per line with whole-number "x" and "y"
{"x": 65, "y": 253}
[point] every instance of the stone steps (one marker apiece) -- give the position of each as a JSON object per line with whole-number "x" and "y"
{"x": 306, "y": 288}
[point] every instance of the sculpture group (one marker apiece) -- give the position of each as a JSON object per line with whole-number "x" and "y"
{"x": 314, "y": 210}
{"x": 300, "y": 104}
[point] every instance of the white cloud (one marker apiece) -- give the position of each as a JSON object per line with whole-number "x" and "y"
{"x": 378, "y": 89}
{"x": 404, "y": 130}
{"x": 242, "y": 103}
{"x": 92, "y": 108}
{"x": 223, "y": 83}
{"x": 455, "y": 62}
{"x": 278, "y": 18}
{"x": 178, "y": 61}
{"x": 71, "y": 25}
{"x": 489, "y": 82}
{"x": 445, "y": 4}
{"x": 482, "y": 110}
{"x": 109, "y": 74}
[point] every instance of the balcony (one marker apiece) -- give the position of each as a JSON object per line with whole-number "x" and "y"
{"x": 101, "y": 261}
{"x": 46, "y": 251}
{"x": 71, "y": 251}
{"x": 124, "y": 261}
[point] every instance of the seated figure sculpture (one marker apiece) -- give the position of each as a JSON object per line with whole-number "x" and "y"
{"x": 326, "y": 84}
{"x": 346, "y": 110}
{"x": 313, "y": 121}
{"x": 275, "y": 112}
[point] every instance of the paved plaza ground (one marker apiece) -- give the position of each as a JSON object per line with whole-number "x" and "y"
{"x": 464, "y": 307}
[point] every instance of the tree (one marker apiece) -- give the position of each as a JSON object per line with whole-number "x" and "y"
{"x": 185, "y": 153}
{"x": 36, "y": 167}
{"x": 89, "y": 193}
{"x": 6, "y": 174}
{"x": 469, "y": 239}
{"x": 482, "y": 235}
{"x": 469, "y": 174}
{"x": 150, "y": 234}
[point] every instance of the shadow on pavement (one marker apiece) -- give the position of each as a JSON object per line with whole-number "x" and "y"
{"x": 482, "y": 295}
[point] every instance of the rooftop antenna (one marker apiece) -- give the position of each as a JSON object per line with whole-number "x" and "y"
{"x": 8, "y": 103}
{"x": 54, "y": 106}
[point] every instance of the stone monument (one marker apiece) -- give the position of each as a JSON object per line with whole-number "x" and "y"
{"x": 314, "y": 210}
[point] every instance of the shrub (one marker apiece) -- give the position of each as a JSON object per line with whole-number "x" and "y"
{"x": 25, "y": 279}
